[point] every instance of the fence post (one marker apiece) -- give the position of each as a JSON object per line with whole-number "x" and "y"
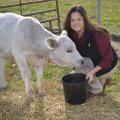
{"x": 58, "y": 16}
{"x": 20, "y": 7}
{"x": 99, "y": 12}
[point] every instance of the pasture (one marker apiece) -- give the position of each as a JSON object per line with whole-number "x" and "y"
{"x": 15, "y": 105}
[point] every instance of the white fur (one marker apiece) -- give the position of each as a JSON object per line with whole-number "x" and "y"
{"x": 28, "y": 42}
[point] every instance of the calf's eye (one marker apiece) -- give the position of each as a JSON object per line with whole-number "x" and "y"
{"x": 69, "y": 51}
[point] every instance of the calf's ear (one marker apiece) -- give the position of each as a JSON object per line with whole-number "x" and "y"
{"x": 51, "y": 43}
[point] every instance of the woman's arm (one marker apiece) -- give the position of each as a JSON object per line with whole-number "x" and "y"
{"x": 90, "y": 76}
{"x": 105, "y": 49}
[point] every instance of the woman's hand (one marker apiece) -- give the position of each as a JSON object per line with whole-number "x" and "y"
{"x": 90, "y": 77}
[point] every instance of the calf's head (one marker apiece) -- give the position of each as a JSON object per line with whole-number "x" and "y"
{"x": 63, "y": 52}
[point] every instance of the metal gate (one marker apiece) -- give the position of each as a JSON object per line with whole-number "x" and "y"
{"x": 21, "y": 5}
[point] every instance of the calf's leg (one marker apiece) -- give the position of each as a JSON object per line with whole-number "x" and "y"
{"x": 40, "y": 83}
{"x": 2, "y": 79}
{"x": 25, "y": 73}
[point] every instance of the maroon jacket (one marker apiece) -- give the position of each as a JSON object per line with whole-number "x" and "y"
{"x": 97, "y": 47}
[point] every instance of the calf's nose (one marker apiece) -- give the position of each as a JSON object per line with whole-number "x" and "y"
{"x": 82, "y": 62}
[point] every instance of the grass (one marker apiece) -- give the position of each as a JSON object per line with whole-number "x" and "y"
{"x": 14, "y": 105}
{"x": 110, "y": 11}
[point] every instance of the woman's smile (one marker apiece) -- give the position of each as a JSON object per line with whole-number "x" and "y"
{"x": 77, "y": 22}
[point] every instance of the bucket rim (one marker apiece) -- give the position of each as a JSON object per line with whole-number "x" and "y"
{"x": 82, "y": 82}
{"x": 75, "y": 82}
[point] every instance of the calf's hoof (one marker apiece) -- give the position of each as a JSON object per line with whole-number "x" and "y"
{"x": 31, "y": 94}
{"x": 42, "y": 93}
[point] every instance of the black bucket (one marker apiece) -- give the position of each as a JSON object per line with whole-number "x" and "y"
{"x": 75, "y": 88}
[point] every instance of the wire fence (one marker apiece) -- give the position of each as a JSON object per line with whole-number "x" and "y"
{"x": 109, "y": 11}
{"x": 46, "y": 11}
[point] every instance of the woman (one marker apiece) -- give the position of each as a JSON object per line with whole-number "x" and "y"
{"x": 92, "y": 42}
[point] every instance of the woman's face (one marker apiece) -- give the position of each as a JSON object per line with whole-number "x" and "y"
{"x": 77, "y": 21}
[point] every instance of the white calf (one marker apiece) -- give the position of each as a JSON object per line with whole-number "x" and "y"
{"x": 28, "y": 42}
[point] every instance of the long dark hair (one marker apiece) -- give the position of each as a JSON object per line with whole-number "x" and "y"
{"x": 89, "y": 27}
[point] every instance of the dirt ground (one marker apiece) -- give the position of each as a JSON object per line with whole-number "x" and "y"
{"x": 53, "y": 107}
